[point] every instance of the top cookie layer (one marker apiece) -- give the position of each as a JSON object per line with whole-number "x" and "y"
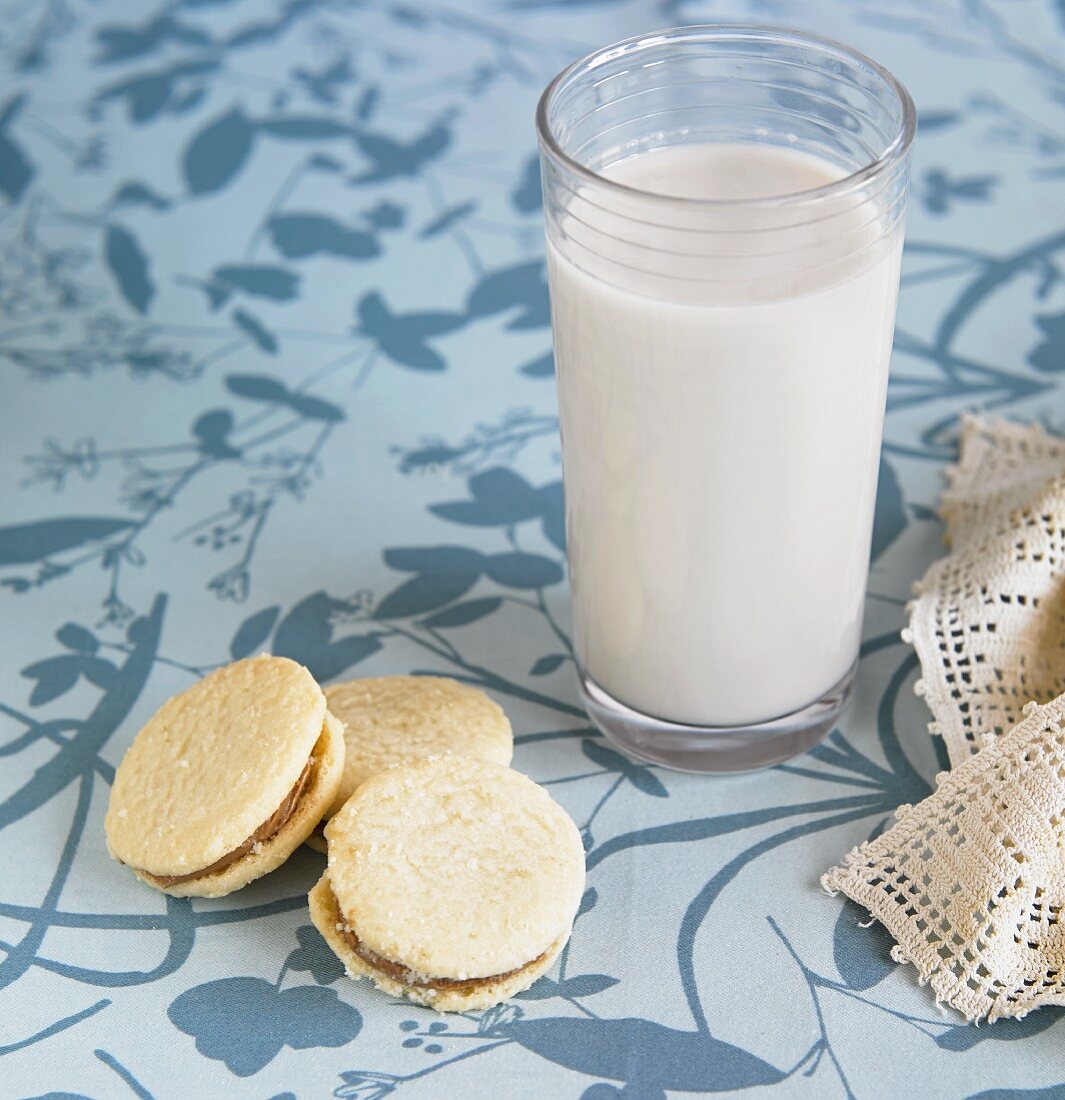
{"x": 213, "y": 764}
{"x": 455, "y": 867}
{"x": 396, "y": 719}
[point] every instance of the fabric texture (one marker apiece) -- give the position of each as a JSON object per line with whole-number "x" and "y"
{"x": 971, "y": 882}
{"x": 275, "y": 352}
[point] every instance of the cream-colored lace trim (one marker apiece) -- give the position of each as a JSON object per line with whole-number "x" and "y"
{"x": 971, "y": 882}
{"x": 988, "y": 620}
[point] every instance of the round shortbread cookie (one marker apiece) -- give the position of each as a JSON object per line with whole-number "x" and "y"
{"x": 328, "y": 920}
{"x": 396, "y": 719}
{"x": 454, "y": 868}
{"x": 215, "y": 763}
{"x": 326, "y": 769}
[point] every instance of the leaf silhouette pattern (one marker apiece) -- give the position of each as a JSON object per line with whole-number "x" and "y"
{"x": 21, "y": 543}
{"x": 641, "y": 1052}
{"x": 403, "y": 337}
{"x": 639, "y": 775}
{"x": 16, "y": 169}
{"x": 218, "y": 152}
{"x": 129, "y": 266}
{"x": 390, "y": 158}
{"x": 245, "y": 1022}
{"x": 297, "y": 236}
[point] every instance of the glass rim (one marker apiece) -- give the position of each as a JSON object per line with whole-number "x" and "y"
{"x": 894, "y": 152}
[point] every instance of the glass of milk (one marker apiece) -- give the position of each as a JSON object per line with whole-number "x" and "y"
{"x": 724, "y": 212}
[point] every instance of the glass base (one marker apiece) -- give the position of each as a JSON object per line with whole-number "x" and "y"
{"x": 713, "y": 750}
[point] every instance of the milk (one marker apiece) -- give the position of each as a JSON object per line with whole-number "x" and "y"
{"x": 720, "y": 434}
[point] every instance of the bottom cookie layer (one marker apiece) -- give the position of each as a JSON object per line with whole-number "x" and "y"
{"x": 452, "y": 997}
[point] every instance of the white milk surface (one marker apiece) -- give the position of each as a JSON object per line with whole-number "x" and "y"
{"x": 721, "y": 436}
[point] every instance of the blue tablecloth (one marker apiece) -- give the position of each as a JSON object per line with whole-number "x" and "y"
{"x": 276, "y": 375}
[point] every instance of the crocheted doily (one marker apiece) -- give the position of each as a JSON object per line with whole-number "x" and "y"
{"x": 971, "y": 882}
{"x": 988, "y": 620}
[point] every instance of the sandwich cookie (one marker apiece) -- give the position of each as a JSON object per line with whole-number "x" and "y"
{"x": 396, "y": 719}
{"x": 452, "y": 881}
{"x": 226, "y": 780}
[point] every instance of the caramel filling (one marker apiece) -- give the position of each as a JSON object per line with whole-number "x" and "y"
{"x": 269, "y": 828}
{"x": 398, "y": 972}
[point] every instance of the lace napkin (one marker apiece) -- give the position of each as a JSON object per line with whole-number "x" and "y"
{"x": 971, "y": 882}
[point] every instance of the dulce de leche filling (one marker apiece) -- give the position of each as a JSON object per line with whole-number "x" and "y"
{"x": 269, "y": 828}
{"x": 402, "y": 974}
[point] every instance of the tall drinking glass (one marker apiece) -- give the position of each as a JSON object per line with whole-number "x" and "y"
{"x": 724, "y": 212}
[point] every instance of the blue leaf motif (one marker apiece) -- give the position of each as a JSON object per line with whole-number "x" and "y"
{"x": 390, "y": 158}
{"x": 259, "y": 280}
{"x": 528, "y": 197}
{"x": 554, "y": 514}
{"x": 245, "y": 1022}
{"x": 253, "y": 328}
{"x": 138, "y": 194}
{"x": 939, "y": 191}
{"x": 253, "y": 632}
{"x": 522, "y": 285}
{"x": 966, "y": 1036}
{"x": 298, "y": 235}
{"x": 55, "y": 677}
{"x": 16, "y": 171}
{"x": 129, "y": 266}
{"x": 543, "y": 989}
{"x": 29, "y": 542}
{"x": 862, "y": 951}
{"x": 257, "y": 387}
{"x": 517, "y": 569}
{"x": 218, "y": 152}
{"x": 385, "y": 215}
{"x": 305, "y": 635}
{"x": 314, "y": 955}
{"x": 122, "y": 43}
{"x": 500, "y": 498}
{"x": 541, "y": 367}
{"x": 261, "y": 387}
{"x": 314, "y": 408}
{"x": 97, "y": 671}
{"x": 402, "y": 336}
{"x": 462, "y": 614}
{"x": 586, "y": 985}
{"x": 77, "y": 638}
{"x": 443, "y": 575}
{"x": 211, "y": 430}
{"x": 1049, "y": 354}
{"x": 547, "y": 664}
{"x": 937, "y": 120}
{"x": 644, "y": 1053}
{"x": 149, "y": 94}
{"x": 640, "y": 776}
{"x": 125, "y": 42}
